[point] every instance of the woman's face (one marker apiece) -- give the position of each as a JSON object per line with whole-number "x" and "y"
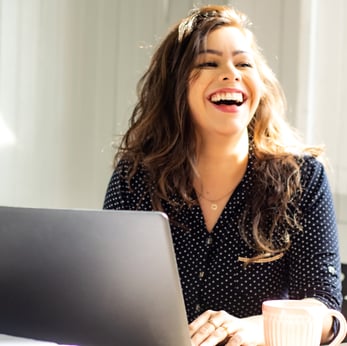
{"x": 225, "y": 87}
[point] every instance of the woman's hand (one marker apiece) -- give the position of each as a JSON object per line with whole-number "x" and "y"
{"x": 219, "y": 328}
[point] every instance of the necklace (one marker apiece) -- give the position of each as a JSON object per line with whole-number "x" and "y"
{"x": 214, "y": 205}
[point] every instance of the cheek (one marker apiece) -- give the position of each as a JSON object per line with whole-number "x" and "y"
{"x": 190, "y": 97}
{"x": 257, "y": 89}
{"x": 192, "y": 100}
{"x": 195, "y": 100}
{"x": 195, "y": 92}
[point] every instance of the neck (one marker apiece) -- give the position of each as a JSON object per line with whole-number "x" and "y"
{"x": 219, "y": 170}
{"x": 223, "y": 153}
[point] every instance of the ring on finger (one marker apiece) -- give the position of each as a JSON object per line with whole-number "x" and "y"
{"x": 211, "y": 322}
{"x": 226, "y": 328}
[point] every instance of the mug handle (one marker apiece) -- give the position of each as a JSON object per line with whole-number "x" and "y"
{"x": 342, "y": 329}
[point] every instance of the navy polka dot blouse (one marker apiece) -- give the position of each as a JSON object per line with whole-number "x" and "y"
{"x": 211, "y": 274}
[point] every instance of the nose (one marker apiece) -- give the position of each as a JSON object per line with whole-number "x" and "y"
{"x": 231, "y": 73}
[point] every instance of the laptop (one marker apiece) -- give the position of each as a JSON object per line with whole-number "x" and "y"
{"x": 90, "y": 277}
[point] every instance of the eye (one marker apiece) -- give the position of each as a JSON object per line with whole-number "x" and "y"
{"x": 244, "y": 65}
{"x": 207, "y": 64}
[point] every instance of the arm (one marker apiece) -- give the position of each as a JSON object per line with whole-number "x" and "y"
{"x": 115, "y": 197}
{"x": 313, "y": 266}
{"x": 314, "y": 262}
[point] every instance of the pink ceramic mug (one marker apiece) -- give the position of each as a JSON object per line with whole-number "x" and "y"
{"x": 298, "y": 323}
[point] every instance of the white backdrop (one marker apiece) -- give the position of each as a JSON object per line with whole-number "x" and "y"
{"x": 321, "y": 111}
{"x": 68, "y": 71}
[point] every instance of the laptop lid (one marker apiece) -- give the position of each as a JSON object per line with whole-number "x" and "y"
{"x": 90, "y": 277}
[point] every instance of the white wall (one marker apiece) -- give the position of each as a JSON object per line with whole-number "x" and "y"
{"x": 68, "y": 71}
{"x": 57, "y": 97}
{"x": 321, "y": 114}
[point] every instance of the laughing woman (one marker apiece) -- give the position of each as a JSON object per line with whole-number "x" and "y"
{"x": 250, "y": 208}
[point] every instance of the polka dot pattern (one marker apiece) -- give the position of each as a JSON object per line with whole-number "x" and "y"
{"x": 211, "y": 275}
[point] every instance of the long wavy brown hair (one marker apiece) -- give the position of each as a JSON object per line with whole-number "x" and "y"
{"x": 161, "y": 137}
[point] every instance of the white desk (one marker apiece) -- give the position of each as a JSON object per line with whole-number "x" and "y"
{"x": 15, "y": 341}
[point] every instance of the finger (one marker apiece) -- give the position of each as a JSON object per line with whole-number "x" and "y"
{"x": 216, "y": 337}
{"x": 239, "y": 339}
{"x": 202, "y": 334}
{"x": 228, "y": 329}
{"x": 215, "y": 318}
{"x": 231, "y": 327}
{"x": 218, "y": 318}
{"x": 200, "y": 321}
{"x": 235, "y": 340}
{"x": 222, "y": 333}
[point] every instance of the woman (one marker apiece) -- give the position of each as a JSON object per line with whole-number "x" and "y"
{"x": 250, "y": 207}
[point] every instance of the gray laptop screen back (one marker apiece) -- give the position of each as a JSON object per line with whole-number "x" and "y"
{"x": 90, "y": 278}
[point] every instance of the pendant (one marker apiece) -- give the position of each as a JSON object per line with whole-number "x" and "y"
{"x": 214, "y": 206}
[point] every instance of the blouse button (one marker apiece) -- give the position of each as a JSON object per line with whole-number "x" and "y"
{"x": 209, "y": 241}
{"x": 331, "y": 270}
{"x": 197, "y": 307}
{"x": 201, "y": 274}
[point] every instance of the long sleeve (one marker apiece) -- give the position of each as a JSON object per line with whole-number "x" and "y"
{"x": 314, "y": 262}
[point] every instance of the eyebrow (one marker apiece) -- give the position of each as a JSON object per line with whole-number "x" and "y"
{"x": 220, "y": 53}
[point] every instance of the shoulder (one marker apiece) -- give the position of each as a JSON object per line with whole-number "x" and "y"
{"x": 127, "y": 186}
{"x": 314, "y": 181}
{"x": 129, "y": 178}
{"x": 311, "y": 169}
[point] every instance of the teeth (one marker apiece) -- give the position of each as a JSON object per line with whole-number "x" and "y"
{"x": 228, "y": 96}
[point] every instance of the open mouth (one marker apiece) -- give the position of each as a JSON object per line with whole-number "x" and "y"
{"x": 228, "y": 98}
